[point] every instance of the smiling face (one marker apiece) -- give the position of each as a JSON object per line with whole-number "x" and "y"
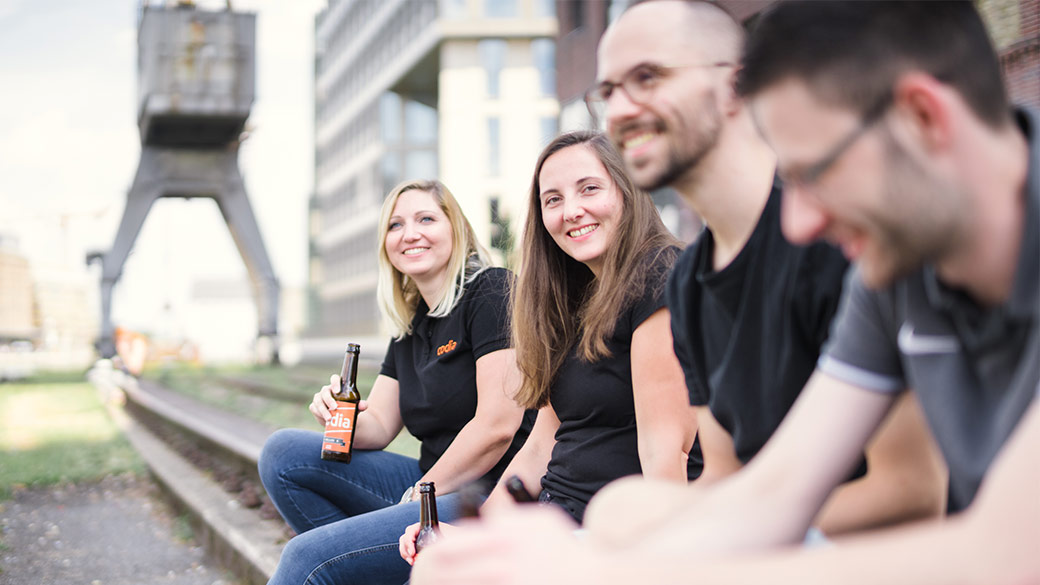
{"x": 678, "y": 123}
{"x": 877, "y": 201}
{"x": 580, "y": 204}
{"x": 419, "y": 238}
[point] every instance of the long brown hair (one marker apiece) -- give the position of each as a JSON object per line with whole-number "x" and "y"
{"x": 557, "y": 301}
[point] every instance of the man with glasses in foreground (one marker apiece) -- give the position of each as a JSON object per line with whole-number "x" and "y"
{"x": 937, "y": 201}
{"x": 750, "y": 311}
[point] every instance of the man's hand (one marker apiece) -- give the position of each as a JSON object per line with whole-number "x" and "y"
{"x": 513, "y": 546}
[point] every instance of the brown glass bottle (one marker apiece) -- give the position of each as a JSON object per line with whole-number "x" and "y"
{"x": 429, "y": 528}
{"x": 339, "y": 431}
{"x": 516, "y": 488}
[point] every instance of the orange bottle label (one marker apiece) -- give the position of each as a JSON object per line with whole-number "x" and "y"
{"x": 340, "y": 428}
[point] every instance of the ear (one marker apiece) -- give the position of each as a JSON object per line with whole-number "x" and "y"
{"x": 729, "y": 102}
{"x": 922, "y": 105}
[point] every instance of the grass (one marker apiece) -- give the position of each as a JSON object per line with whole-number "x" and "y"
{"x": 182, "y": 530}
{"x": 54, "y": 429}
{"x": 294, "y": 386}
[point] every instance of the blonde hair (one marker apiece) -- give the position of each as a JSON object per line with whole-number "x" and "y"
{"x": 557, "y": 301}
{"x": 397, "y": 293}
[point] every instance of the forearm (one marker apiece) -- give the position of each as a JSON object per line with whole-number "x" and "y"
{"x": 906, "y": 477}
{"x": 662, "y": 456}
{"x": 938, "y": 553}
{"x": 529, "y": 465}
{"x": 873, "y": 502}
{"x": 473, "y": 452}
{"x": 379, "y": 420}
{"x": 372, "y": 433}
{"x": 773, "y": 500}
{"x": 717, "y": 451}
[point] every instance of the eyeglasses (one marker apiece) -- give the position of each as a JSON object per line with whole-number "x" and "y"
{"x": 638, "y": 84}
{"x": 812, "y": 173}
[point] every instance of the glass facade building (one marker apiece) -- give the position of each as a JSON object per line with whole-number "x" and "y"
{"x": 460, "y": 90}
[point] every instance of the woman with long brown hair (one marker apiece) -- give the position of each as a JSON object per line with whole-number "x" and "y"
{"x": 592, "y": 334}
{"x": 591, "y": 330}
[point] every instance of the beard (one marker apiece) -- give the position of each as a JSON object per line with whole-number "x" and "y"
{"x": 688, "y": 144}
{"x": 920, "y": 219}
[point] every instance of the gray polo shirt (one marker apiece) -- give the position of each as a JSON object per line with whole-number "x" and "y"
{"x": 975, "y": 369}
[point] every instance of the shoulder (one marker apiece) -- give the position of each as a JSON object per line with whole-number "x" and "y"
{"x": 685, "y": 267}
{"x": 647, "y": 288}
{"x": 822, "y": 267}
{"x": 880, "y": 307}
{"x": 656, "y": 264}
{"x": 488, "y": 290}
{"x": 490, "y": 281}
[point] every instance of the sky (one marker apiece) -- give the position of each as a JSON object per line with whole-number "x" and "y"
{"x": 69, "y": 148}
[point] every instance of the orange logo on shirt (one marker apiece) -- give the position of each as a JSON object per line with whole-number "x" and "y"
{"x": 451, "y": 345}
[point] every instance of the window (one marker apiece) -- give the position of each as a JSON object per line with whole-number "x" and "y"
{"x": 494, "y": 168}
{"x": 420, "y": 122}
{"x": 453, "y": 8}
{"x": 549, "y": 128}
{"x": 390, "y": 168}
{"x": 500, "y": 8}
{"x": 493, "y": 58}
{"x": 390, "y": 117}
{"x": 543, "y": 51}
{"x": 545, "y": 8}
{"x": 420, "y": 164}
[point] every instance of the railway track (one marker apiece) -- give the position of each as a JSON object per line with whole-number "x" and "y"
{"x": 205, "y": 460}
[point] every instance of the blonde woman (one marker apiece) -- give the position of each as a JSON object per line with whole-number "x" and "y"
{"x": 448, "y": 377}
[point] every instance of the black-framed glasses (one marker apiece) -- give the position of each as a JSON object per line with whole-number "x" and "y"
{"x": 812, "y": 173}
{"x": 638, "y": 84}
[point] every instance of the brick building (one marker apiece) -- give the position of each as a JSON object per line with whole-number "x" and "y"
{"x": 1015, "y": 28}
{"x": 1013, "y": 24}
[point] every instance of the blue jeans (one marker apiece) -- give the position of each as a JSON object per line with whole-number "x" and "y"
{"x": 347, "y": 516}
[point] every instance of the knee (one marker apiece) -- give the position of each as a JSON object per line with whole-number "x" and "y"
{"x": 300, "y": 558}
{"x": 283, "y": 448}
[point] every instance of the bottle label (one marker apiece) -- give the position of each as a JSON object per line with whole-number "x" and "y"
{"x": 340, "y": 428}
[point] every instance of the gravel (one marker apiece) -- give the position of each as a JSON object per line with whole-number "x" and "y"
{"x": 114, "y": 532}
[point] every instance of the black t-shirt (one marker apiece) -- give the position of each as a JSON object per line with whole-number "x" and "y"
{"x": 596, "y": 441}
{"x": 435, "y": 366}
{"x": 748, "y": 336}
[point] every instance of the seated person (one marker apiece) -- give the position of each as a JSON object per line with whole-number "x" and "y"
{"x": 588, "y": 324}
{"x": 895, "y": 140}
{"x": 437, "y": 289}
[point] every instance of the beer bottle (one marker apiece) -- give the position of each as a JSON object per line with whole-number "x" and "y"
{"x": 471, "y": 498}
{"x": 429, "y": 528}
{"x": 339, "y": 431}
{"x": 516, "y": 488}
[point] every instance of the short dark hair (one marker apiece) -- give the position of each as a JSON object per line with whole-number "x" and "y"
{"x": 850, "y": 53}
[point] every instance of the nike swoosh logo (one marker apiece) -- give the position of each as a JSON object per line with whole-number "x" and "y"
{"x": 911, "y": 343}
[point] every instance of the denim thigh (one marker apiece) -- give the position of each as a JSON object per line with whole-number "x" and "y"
{"x": 362, "y": 550}
{"x": 310, "y": 492}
